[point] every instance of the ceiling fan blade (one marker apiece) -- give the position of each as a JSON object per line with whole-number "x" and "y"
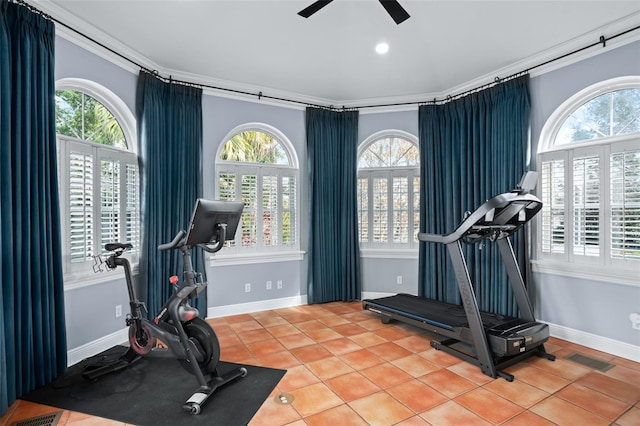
{"x": 394, "y": 9}
{"x": 313, "y": 8}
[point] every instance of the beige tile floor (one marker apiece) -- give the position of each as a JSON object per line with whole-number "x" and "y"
{"x": 345, "y": 367}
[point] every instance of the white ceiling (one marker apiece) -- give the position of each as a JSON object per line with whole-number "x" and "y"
{"x": 263, "y": 45}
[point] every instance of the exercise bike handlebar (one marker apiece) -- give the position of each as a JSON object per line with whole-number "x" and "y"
{"x": 175, "y": 243}
{"x": 212, "y": 247}
{"x": 222, "y": 237}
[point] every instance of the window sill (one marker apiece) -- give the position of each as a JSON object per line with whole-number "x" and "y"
{"x": 369, "y": 253}
{"x": 76, "y": 281}
{"x": 255, "y": 257}
{"x": 609, "y": 274}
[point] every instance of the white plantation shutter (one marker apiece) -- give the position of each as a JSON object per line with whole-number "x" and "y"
{"x": 227, "y": 191}
{"x": 132, "y": 206}
{"x": 380, "y": 219}
{"x": 270, "y": 227}
{"x": 249, "y": 195}
{"x": 553, "y": 201}
{"x": 625, "y": 204}
{"x": 81, "y": 205}
{"x": 400, "y": 222}
{"x": 270, "y": 197}
{"x": 109, "y": 203}
{"x": 227, "y": 186}
{"x": 289, "y": 202}
{"x": 363, "y": 209}
{"x": 99, "y": 189}
{"x": 586, "y": 206}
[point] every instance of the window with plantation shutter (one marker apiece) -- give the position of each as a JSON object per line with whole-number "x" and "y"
{"x": 363, "y": 209}
{"x": 81, "y": 203}
{"x": 389, "y": 192}
{"x": 249, "y": 196}
{"x": 99, "y": 188}
{"x": 625, "y": 205}
{"x": 552, "y": 196}
{"x": 288, "y": 209}
{"x": 589, "y": 161}
{"x": 586, "y": 206}
{"x": 256, "y": 165}
{"x": 98, "y": 183}
{"x": 109, "y": 201}
{"x": 380, "y": 210}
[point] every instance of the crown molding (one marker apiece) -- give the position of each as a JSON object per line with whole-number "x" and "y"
{"x": 265, "y": 95}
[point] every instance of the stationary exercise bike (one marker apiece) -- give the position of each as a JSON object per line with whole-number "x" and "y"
{"x": 177, "y": 331}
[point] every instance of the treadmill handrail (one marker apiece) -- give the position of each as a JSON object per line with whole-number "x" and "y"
{"x": 495, "y": 217}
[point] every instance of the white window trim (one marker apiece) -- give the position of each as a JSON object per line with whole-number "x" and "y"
{"x": 389, "y": 250}
{"x": 251, "y": 255}
{"x": 256, "y": 257}
{"x": 618, "y": 271}
{"x": 127, "y": 122}
{"x": 386, "y": 253}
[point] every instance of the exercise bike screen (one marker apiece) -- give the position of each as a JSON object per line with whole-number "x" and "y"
{"x": 207, "y": 215}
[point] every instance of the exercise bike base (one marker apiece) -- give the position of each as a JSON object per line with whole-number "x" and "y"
{"x": 93, "y": 373}
{"x": 194, "y": 404}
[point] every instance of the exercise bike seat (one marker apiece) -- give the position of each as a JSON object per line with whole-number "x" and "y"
{"x": 117, "y": 246}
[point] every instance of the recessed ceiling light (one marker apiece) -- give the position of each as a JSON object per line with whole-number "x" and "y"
{"x": 382, "y": 48}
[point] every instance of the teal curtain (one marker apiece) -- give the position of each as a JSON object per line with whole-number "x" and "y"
{"x": 170, "y": 133}
{"x": 33, "y": 344}
{"x": 472, "y": 148}
{"x": 334, "y": 254}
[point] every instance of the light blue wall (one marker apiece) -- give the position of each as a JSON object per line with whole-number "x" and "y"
{"x": 594, "y": 307}
{"x": 90, "y": 310}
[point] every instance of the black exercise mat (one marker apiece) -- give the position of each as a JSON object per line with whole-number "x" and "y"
{"x": 152, "y": 392}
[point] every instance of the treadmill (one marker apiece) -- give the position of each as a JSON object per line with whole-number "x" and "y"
{"x": 490, "y": 341}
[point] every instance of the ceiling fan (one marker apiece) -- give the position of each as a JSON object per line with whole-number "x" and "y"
{"x": 397, "y": 12}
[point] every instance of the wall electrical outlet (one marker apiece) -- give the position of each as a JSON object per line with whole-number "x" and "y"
{"x": 118, "y": 311}
{"x": 268, "y": 285}
{"x": 399, "y": 279}
{"x": 635, "y": 321}
{"x": 279, "y": 284}
{"x": 247, "y": 288}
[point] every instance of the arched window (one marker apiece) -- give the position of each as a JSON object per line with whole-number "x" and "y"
{"x": 98, "y": 174}
{"x": 389, "y": 191}
{"x": 257, "y": 165}
{"x": 589, "y": 160}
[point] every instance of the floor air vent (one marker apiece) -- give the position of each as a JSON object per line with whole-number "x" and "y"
{"x": 50, "y": 419}
{"x": 590, "y": 362}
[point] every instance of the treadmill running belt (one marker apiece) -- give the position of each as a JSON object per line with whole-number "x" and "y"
{"x": 437, "y": 313}
{"x": 441, "y": 314}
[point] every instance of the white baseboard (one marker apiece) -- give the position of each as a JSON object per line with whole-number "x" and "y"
{"x": 90, "y": 349}
{"x": 261, "y": 305}
{"x": 603, "y": 344}
{"x": 375, "y": 295}
{"x": 119, "y": 337}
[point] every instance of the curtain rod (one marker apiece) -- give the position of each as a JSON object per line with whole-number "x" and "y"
{"x": 602, "y": 40}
